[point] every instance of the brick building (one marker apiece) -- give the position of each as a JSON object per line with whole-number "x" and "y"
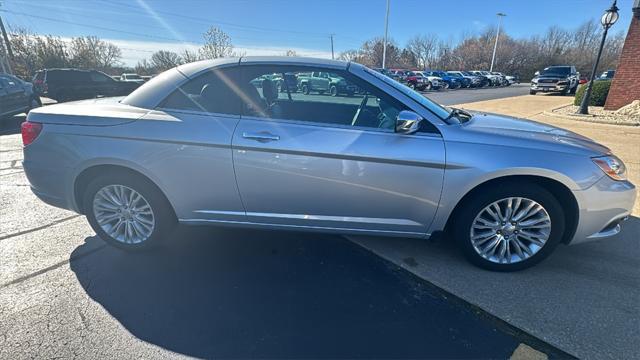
{"x": 626, "y": 83}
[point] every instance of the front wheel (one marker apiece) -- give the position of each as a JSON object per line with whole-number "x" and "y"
{"x": 510, "y": 227}
{"x": 305, "y": 89}
{"x": 333, "y": 91}
{"x": 128, "y": 212}
{"x": 532, "y": 92}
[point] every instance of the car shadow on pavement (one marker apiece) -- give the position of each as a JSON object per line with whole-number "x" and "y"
{"x": 242, "y": 293}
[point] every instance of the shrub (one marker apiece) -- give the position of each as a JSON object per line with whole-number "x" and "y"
{"x": 598, "y": 93}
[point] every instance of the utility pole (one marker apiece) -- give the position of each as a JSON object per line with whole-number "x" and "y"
{"x": 8, "y": 47}
{"x": 495, "y": 46}
{"x": 332, "y": 57}
{"x": 386, "y": 32}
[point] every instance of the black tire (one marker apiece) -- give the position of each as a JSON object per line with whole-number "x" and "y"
{"x": 305, "y": 89}
{"x": 333, "y": 91}
{"x": 165, "y": 219}
{"x": 429, "y": 86}
{"x": 532, "y": 92}
{"x": 473, "y": 206}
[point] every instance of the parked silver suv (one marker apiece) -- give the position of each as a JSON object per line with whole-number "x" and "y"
{"x": 207, "y": 144}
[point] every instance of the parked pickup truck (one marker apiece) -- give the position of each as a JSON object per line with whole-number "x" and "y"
{"x": 324, "y": 82}
{"x": 562, "y": 79}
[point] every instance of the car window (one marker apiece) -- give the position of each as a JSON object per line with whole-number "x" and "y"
{"x": 216, "y": 91}
{"x": 99, "y": 77}
{"x": 318, "y": 96}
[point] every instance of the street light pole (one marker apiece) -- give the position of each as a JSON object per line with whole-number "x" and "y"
{"x": 495, "y": 45}
{"x": 386, "y": 32}
{"x": 332, "y": 57}
{"x": 608, "y": 19}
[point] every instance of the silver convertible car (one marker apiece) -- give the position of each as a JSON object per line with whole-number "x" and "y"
{"x": 237, "y": 142}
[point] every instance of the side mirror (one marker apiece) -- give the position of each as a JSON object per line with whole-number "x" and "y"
{"x": 536, "y": 73}
{"x": 408, "y": 122}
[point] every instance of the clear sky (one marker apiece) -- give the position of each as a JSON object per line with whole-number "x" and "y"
{"x": 140, "y": 27}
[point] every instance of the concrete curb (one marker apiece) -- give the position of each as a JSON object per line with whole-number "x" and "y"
{"x": 583, "y": 118}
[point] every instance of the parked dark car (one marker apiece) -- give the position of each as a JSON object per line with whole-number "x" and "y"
{"x": 562, "y": 79}
{"x": 16, "y": 96}
{"x": 388, "y": 73}
{"x": 466, "y": 81}
{"x": 74, "y": 84}
{"x": 483, "y": 80}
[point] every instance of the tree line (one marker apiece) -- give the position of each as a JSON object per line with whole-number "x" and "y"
{"x": 520, "y": 57}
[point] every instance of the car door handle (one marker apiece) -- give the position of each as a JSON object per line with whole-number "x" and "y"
{"x": 261, "y": 136}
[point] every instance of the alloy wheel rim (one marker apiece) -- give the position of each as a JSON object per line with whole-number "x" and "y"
{"x": 124, "y": 214}
{"x": 510, "y": 230}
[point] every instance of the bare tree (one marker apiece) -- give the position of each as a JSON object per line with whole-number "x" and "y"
{"x": 217, "y": 44}
{"x": 424, "y": 49}
{"x": 91, "y": 52}
{"x": 144, "y": 67}
{"x": 349, "y": 55}
{"x": 189, "y": 56}
{"x": 163, "y": 60}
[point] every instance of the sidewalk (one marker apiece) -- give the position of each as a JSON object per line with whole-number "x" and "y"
{"x": 583, "y": 299}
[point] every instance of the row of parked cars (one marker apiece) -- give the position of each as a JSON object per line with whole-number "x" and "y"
{"x": 438, "y": 80}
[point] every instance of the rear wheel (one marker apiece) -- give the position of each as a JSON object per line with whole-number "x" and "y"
{"x": 305, "y": 89}
{"x": 128, "y": 212}
{"x": 510, "y": 227}
{"x": 532, "y": 92}
{"x": 333, "y": 91}
{"x": 428, "y": 86}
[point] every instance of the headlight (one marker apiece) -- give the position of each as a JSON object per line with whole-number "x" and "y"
{"x": 611, "y": 166}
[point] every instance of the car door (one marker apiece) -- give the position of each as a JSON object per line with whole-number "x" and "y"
{"x": 199, "y": 118}
{"x": 15, "y": 93}
{"x": 103, "y": 84}
{"x": 5, "y": 101}
{"x": 315, "y": 168}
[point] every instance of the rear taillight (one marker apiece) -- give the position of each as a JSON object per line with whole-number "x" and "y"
{"x": 30, "y": 131}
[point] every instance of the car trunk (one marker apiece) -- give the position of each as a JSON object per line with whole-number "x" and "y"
{"x": 94, "y": 112}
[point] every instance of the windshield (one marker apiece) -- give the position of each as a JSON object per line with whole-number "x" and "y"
{"x": 432, "y": 106}
{"x": 454, "y": 74}
{"x": 560, "y": 70}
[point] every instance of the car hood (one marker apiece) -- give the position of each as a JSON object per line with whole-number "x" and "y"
{"x": 521, "y": 132}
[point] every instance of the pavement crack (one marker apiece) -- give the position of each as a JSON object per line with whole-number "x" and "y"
{"x": 11, "y": 173}
{"x": 4, "y": 237}
{"x": 52, "y": 267}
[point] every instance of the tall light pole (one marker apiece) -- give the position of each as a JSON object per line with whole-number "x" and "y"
{"x": 386, "y": 32}
{"x": 495, "y": 45}
{"x": 607, "y": 20}
{"x": 332, "y": 57}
